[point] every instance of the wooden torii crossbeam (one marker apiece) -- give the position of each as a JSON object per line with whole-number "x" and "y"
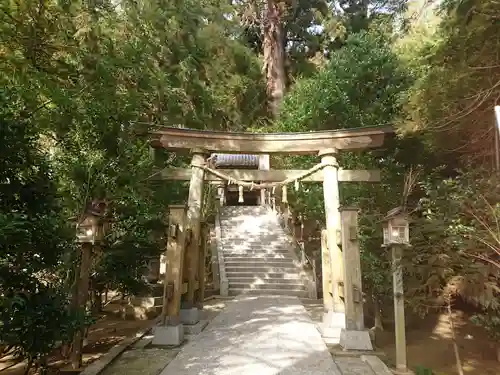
{"x": 275, "y": 175}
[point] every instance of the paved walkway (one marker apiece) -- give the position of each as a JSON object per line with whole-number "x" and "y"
{"x": 259, "y": 335}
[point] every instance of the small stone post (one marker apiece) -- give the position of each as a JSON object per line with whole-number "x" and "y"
{"x": 354, "y": 337}
{"x": 399, "y": 308}
{"x": 326, "y": 271}
{"x": 171, "y": 331}
{"x": 352, "y": 269}
{"x": 334, "y": 320}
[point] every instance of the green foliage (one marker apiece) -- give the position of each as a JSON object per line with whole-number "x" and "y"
{"x": 491, "y": 322}
{"x": 33, "y": 314}
{"x": 35, "y": 322}
{"x": 458, "y": 217}
{"x": 421, "y": 370}
{"x": 77, "y": 81}
{"x": 360, "y": 86}
{"x": 457, "y": 69}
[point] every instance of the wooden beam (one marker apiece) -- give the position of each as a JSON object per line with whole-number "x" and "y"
{"x": 281, "y": 143}
{"x": 344, "y": 175}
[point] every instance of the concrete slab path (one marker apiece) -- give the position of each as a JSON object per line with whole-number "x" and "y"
{"x": 257, "y": 335}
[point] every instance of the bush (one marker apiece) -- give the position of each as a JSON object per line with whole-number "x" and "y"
{"x": 35, "y": 322}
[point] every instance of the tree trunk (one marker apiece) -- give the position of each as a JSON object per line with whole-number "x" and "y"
{"x": 274, "y": 57}
{"x": 83, "y": 289}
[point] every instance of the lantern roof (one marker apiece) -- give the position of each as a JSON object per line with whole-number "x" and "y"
{"x": 396, "y": 212}
{"x": 95, "y": 208}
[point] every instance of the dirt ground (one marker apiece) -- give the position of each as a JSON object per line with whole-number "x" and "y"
{"x": 430, "y": 346}
{"x": 102, "y": 336}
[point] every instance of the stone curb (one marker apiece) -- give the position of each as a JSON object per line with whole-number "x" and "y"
{"x": 98, "y": 366}
{"x": 376, "y": 364}
{"x": 216, "y": 296}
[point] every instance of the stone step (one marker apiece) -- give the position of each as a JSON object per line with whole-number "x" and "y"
{"x": 257, "y": 259}
{"x": 236, "y": 251}
{"x": 252, "y": 238}
{"x": 261, "y": 268}
{"x": 255, "y": 242}
{"x": 283, "y": 248}
{"x": 269, "y": 292}
{"x": 272, "y": 244}
{"x": 264, "y": 230}
{"x": 246, "y": 211}
{"x": 263, "y": 275}
{"x": 243, "y": 216}
{"x": 266, "y": 286}
{"x": 257, "y": 254}
{"x": 263, "y": 250}
{"x": 258, "y": 262}
{"x": 236, "y": 281}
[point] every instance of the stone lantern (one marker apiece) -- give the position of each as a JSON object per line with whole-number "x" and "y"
{"x": 396, "y": 228}
{"x": 396, "y": 232}
{"x": 90, "y": 229}
{"x": 89, "y": 232}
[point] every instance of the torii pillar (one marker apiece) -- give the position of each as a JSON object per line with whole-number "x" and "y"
{"x": 191, "y": 304}
{"x": 334, "y": 316}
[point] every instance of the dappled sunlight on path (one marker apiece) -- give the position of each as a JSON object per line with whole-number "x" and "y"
{"x": 262, "y": 335}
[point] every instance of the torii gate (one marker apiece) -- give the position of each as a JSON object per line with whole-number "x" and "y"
{"x": 325, "y": 144}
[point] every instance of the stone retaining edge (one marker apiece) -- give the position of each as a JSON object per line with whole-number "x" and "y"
{"x": 375, "y": 363}
{"x": 98, "y": 366}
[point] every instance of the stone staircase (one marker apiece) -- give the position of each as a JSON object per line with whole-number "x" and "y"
{"x": 258, "y": 256}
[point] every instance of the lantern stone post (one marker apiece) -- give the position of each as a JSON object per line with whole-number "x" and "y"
{"x": 354, "y": 337}
{"x": 397, "y": 238}
{"x": 89, "y": 232}
{"x": 334, "y": 318}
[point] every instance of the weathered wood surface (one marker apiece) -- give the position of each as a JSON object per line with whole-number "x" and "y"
{"x": 193, "y": 223}
{"x": 352, "y": 270}
{"x": 275, "y": 175}
{"x": 326, "y": 272}
{"x": 281, "y": 143}
{"x": 175, "y": 264}
{"x": 333, "y": 227}
{"x": 200, "y": 290}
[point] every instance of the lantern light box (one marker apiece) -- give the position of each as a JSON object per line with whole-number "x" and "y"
{"x": 396, "y": 228}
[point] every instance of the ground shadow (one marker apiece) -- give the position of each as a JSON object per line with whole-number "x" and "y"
{"x": 257, "y": 335}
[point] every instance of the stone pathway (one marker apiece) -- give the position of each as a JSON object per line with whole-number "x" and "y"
{"x": 259, "y": 335}
{"x": 347, "y": 364}
{"x": 252, "y": 335}
{"x": 143, "y": 359}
